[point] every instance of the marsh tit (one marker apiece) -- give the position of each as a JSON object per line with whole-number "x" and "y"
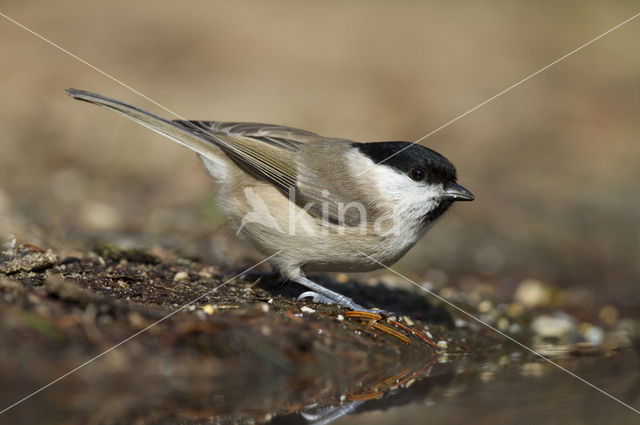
{"x": 317, "y": 203}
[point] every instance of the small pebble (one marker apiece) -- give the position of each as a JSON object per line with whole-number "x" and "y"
{"x": 594, "y": 335}
{"x": 181, "y": 277}
{"x": 559, "y": 325}
{"x": 208, "y": 309}
{"x": 502, "y": 323}
{"x": 205, "y": 274}
{"x": 484, "y": 306}
{"x": 340, "y": 317}
{"x": 443, "y": 344}
{"x": 306, "y": 309}
{"x": 533, "y": 293}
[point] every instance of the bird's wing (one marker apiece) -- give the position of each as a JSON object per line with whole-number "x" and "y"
{"x": 267, "y": 152}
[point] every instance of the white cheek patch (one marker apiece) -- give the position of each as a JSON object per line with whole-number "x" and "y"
{"x": 408, "y": 199}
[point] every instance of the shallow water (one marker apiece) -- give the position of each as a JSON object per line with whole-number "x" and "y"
{"x": 480, "y": 389}
{"x": 526, "y": 392}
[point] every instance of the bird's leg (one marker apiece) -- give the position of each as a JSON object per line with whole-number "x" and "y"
{"x": 324, "y": 295}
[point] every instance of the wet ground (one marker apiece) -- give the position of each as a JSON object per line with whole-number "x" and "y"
{"x": 200, "y": 345}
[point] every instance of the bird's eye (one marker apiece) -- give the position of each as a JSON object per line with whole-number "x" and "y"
{"x": 417, "y": 174}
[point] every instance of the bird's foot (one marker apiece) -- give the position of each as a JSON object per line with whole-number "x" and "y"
{"x": 343, "y": 301}
{"x": 375, "y": 317}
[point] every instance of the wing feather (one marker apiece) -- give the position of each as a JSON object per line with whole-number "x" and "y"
{"x": 259, "y": 149}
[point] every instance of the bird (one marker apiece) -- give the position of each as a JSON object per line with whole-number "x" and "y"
{"x": 314, "y": 203}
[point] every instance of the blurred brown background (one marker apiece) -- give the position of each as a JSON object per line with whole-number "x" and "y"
{"x": 553, "y": 163}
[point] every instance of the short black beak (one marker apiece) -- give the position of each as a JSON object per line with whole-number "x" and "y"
{"x": 455, "y": 192}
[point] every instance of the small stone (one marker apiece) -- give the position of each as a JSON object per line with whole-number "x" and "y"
{"x": 442, "y": 344}
{"x": 533, "y": 293}
{"x": 181, "y": 277}
{"x": 264, "y": 307}
{"x": 340, "y": 317}
{"x": 593, "y": 335}
{"x": 270, "y": 301}
{"x": 484, "y": 306}
{"x": 408, "y": 321}
{"x": 560, "y": 325}
{"x": 502, "y": 323}
{"x": 460, "y": 323}
{"x": 208, "y": 309}
{"x": 205, "y": 274}
{"x": 306, "y": 309}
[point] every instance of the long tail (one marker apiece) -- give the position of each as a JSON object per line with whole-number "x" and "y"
{"x": 178, "y": 134}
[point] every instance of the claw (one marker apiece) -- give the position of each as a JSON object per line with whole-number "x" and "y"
{"x": 392, "y": 332}
{"x": 415, "y": 332}
{"x": 315, "y": 297}
{"x": 363, "y": 314}
{"x": 374, "y": 316}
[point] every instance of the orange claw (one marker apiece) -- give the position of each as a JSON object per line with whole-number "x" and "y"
{"x": 391, "y": 332}
{"x": 363, "y": 314}
{"x": 415, "y": 332}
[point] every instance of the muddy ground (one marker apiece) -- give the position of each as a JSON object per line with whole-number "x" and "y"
{"x": 177, "y": 339}
{"x": 189, "y": 325}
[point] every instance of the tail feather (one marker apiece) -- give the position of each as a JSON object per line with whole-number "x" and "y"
{"x": 175, "y": 132}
